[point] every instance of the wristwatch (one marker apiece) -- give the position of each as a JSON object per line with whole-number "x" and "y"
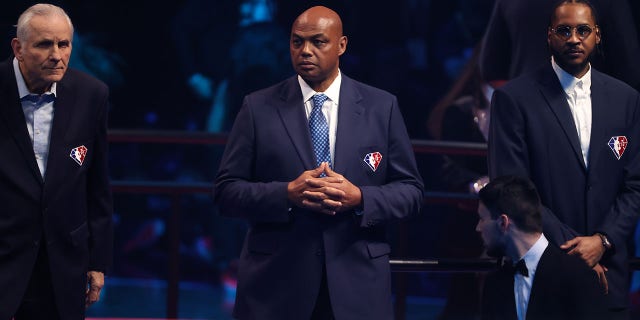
{"x": 605, "y": 241}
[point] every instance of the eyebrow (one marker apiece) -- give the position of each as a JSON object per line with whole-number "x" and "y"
{"x": 577, "y": 25}
{"x": 317, "y": 35}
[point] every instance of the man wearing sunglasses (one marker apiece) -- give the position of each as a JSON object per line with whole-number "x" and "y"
{"x": 512, "y": 46}
{"x": 576, "y": 133}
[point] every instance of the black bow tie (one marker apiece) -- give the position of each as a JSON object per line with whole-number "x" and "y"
{"x": 36, "y": 98}
{"x": 520, "y": 267}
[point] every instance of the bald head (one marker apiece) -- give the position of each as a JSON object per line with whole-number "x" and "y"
{"x": 320, "y": 15}
{"x": 316, "y": 45}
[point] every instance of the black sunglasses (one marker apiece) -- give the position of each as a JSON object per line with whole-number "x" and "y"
{"x": 565, "y": 32}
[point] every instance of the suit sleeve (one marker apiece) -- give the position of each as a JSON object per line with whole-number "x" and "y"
{"x": 99, "y": 196}
{"x": 495, "y": 53}
{"x": 402, "y": 194}
{"x": 509, "y": 155}
{"x": 235, "y": 192}
{"x": 587, "y": 295}
{"x": 621, "y": 220}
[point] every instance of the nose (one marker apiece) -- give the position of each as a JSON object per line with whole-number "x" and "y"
{"x": 55, "y": 53}
{"x": 306, "y": 48}
{"x": 574, "y": 38}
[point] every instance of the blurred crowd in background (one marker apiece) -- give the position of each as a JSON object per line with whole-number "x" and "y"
{"x": 169, "y": 66}
{"x": 185, "y": 65}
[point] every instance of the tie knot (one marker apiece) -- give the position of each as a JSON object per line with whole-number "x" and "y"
{"x": 521, "y": 268}
{"x": 319, "y": 99}
{"x": 507, "y": 266}
{"x": 37, "y": 98}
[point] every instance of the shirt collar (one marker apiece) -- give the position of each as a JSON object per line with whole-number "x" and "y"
{"x": 568, "y": 81}
{"x": 333, "y": 92}
{"x": 532, "y": 257}
{"x": 23, "y": 91}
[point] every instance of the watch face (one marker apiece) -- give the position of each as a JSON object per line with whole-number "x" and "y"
{"x": 605, "y": 241}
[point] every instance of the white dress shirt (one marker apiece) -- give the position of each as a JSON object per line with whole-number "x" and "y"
{"x": 578, "y": 95}
{"x": 38, "y": 113}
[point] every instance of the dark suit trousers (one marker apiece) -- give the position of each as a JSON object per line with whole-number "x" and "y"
{"x": 38, "y": 302}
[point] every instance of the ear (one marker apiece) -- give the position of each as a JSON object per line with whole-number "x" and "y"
{"x": 549, "y": 35}
{"x": 17, "y": 48}
{"x": 503, "y": 222}
{"x": 597, "y": 34}
{"x": 342, "y": 45}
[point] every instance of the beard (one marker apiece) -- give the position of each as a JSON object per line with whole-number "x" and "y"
{"x": 571, "y": 67}
{"x": 496, "y": 250}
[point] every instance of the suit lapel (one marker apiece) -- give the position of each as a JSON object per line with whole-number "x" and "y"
{"x": 292, "y": 114}
{"x": 63, "y": 109}
{"x": 557, "y": 101}
{"x": 538, "y": 285}
{"x": 349, "y": 112}
{"x": 598, "y": 112}
{"x": 504, "y": 292}
{"x": 13, "y": 116}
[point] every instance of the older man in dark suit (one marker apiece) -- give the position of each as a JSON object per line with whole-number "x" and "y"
{"x": 55, "y": 215}
{"x": 576, "y": 133}
{"x": 536, "y": 280}
{"x": 317, "y": 164}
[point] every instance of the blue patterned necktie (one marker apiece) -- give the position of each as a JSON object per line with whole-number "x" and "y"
{"x": 319, "y": 131}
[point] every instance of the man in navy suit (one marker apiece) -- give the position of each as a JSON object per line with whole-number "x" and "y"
{"x": 536, "y": 279}
{"x": 316, "y": 247}
{"x": 513, "y": 43}
{"x": 576, "y": 133}
{"x": 55, "y": 215}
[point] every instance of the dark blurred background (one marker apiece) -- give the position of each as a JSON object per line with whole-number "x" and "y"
{"x": 147, "y": 51}
{"x": 184, "y": 66}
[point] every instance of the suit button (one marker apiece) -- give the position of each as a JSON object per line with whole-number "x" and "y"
{"x": 36, "y": 243}
{"x": 319, "y": 253}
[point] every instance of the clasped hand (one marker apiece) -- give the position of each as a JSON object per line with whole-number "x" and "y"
{"x": 590, "y": 249}
{"x": 328, "y": 195}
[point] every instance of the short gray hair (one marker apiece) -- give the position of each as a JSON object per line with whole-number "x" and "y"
{"x": 40, "y": 9}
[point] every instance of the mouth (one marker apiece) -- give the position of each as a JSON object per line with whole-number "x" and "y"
{"x": 55, "y": 71}
{"x": 574, "y": 53}
{"x": 306, "y": 65}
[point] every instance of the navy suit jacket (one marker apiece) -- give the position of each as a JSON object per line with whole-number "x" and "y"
{"x": 69, "y": 211}
{"x": 564, "y": 288}
{"x": 285, "y": 250}
{"x": 532, "y": 133}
